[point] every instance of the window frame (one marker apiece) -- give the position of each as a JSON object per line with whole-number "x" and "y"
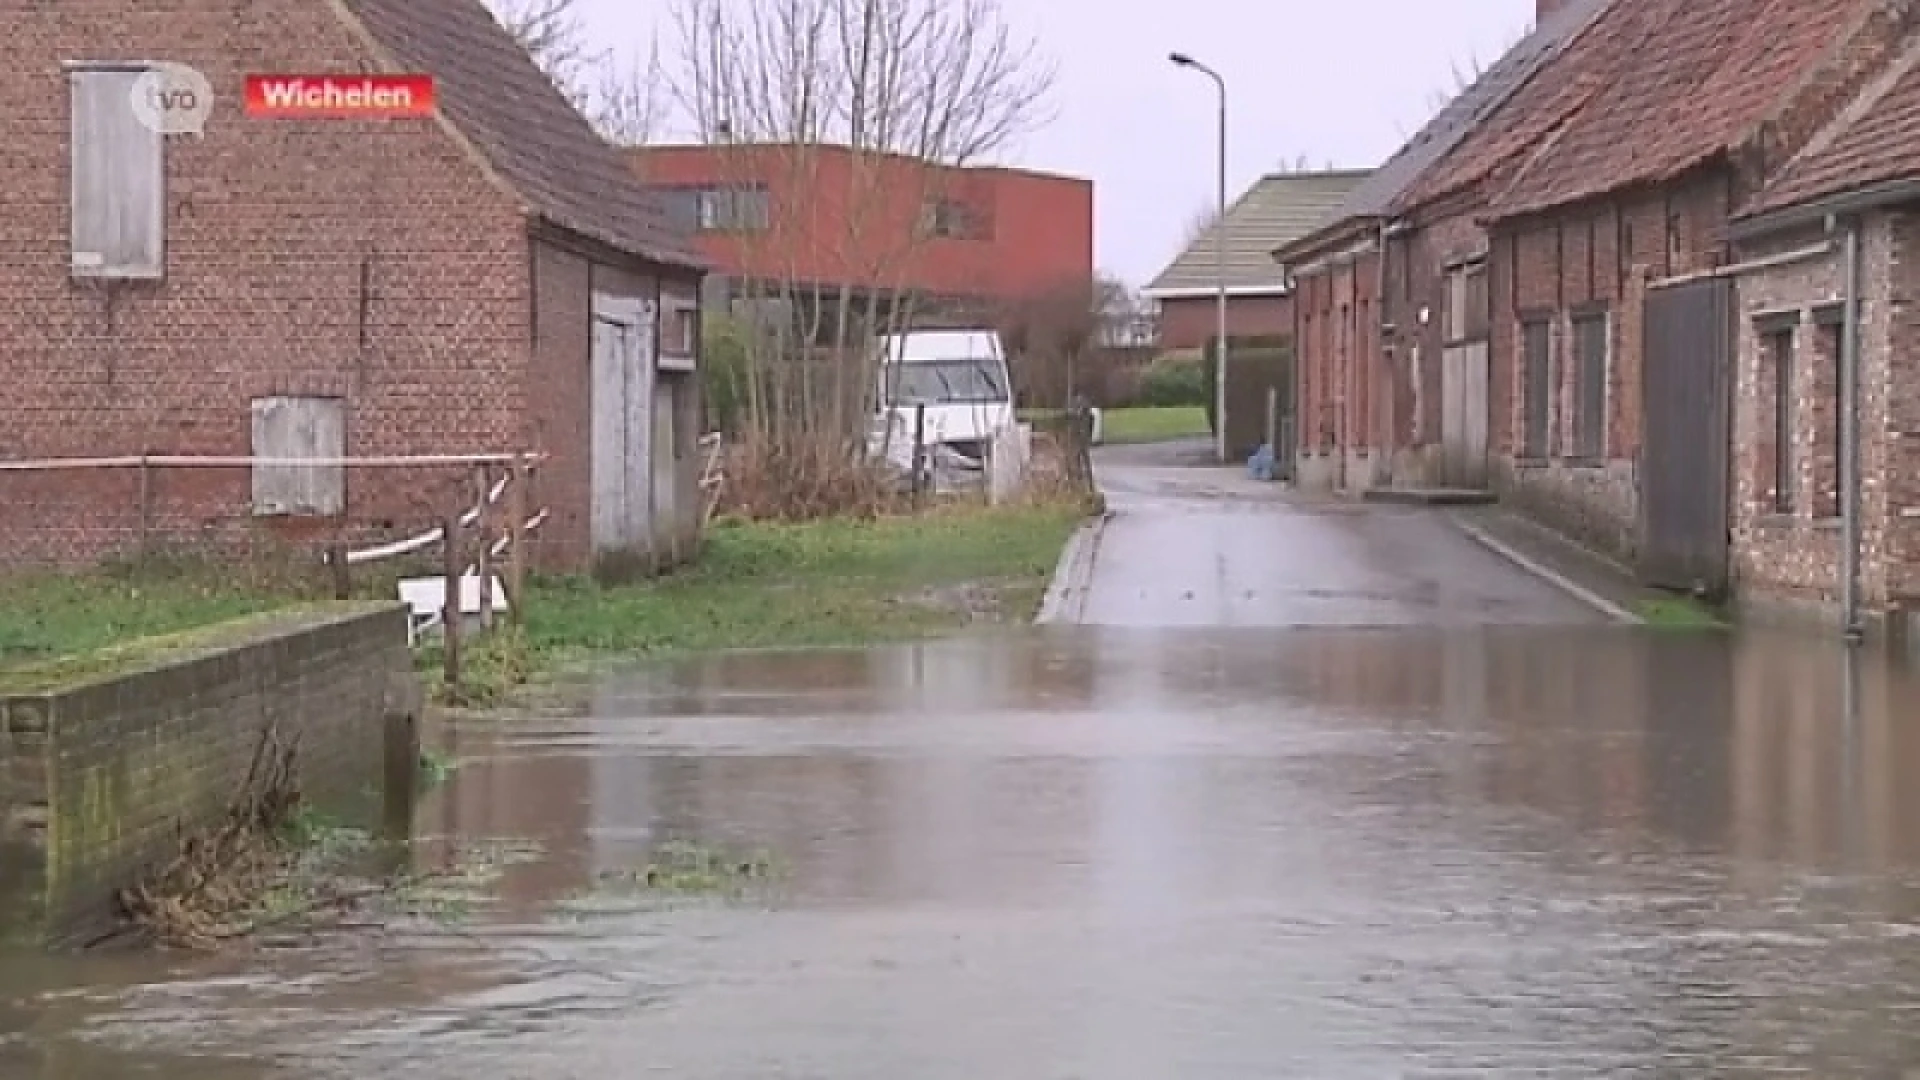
{"x": 1592, "y": 377}
{"x": 83, "y": 249}
{"x": 298, "y": 479}
{"x": 1538, "y": 384}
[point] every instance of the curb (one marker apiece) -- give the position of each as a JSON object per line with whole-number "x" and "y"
{"x": 1066, "y": 597}
{"x": 1552, "y": 577}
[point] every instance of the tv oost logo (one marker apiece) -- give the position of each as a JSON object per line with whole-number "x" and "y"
{"x": 173, "y": 99}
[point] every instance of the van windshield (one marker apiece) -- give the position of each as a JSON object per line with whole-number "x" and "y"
{"x": 946, "y": 382}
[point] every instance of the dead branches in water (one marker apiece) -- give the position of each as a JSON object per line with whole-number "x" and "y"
{"x": 198, "y": 898}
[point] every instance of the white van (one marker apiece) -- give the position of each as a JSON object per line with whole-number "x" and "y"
{"x": 961, "y": 377}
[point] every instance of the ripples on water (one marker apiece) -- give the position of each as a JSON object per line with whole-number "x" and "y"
{"x": 1086, "y": 854}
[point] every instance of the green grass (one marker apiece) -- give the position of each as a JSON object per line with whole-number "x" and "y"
{"x": 1150, "y": 425}
{"x": 1680, "y": 613}
{"x": 1138, "y": 425}
{"x": 45, "y": 616}
{"x": 826, "y": 583}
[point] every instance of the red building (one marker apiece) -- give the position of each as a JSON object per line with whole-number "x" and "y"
{"x": 828, "y": 216}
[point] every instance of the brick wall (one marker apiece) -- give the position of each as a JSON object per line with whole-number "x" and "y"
{"x": 1590, "y": 258}
{"x": 1787, "y": 556}
{"x": 1189, "y": 323}
{"x": 103, "y": 776}
{"x": 367, "y": 260}
{"x": 1342, "y": 400}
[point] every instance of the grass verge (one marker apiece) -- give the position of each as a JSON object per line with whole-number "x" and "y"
{"x": 47, "y": 616}
{"x": 1681, "y": 613}
{"x": 756, "y": 585}
{"x": 1120, "y": 427}
{"x": 1150, "y": 425}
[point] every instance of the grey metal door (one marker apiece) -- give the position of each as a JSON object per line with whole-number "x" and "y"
{"x": 1684, "y": 456}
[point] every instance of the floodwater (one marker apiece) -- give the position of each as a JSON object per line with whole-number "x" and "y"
{"x": 1552, "y": 848}
{"x": 1106, "y": 853}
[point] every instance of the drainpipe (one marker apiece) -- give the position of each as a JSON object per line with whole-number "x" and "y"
{"x": 1850, "y": 440}
{"x": 1384, "y": 433}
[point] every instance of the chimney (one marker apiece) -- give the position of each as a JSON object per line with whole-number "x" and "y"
{"x": 1547, "y": 9}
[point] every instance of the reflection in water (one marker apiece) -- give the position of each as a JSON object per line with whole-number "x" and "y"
{"x": 1126, "y": 854}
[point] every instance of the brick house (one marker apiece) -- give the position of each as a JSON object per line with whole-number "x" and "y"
{"x": 485, "y": 279}
{"x": 1858, "y": 180}
{"x": 1274, "y": 211}
{"x": 1390, "y": 307}
{"x": 1612, "y": 175}
{"x": 820, "y": 217}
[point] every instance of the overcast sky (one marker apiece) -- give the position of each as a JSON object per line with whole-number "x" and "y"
{"x": 1339, "y": 81}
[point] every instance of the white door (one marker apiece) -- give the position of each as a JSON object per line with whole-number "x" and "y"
{"x": 609, "y": 404}
{"x": 622, "y": 407}
{"x": 1463, "y": 415}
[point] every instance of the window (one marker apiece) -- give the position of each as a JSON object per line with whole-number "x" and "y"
{"x": 949, "y": 219}
{"x": 680, "y": 331}
{"x": 293, "y": 428}
{"x": 1590, "y": 400}
{"x": 1780, "y": 359}
{"x": 119, "y": 179}
{"x": 745, "y": 209}
{"x": 1465, "y": 317}
{"x": 1536, "y": 344}
{"x": 1827, "y": 451}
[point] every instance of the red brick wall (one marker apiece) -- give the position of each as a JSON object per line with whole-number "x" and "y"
{"x": 841, "y": 219}
{"x": 1591, "y": 256}
{"x": 1342, "y": 394}
{"x": 272, "y": 227}
{"x": 1191, "y": 323}
{"x": 1792, "y": 560}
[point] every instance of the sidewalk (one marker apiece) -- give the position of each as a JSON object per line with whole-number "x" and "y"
{"x": 1602, "y": 583}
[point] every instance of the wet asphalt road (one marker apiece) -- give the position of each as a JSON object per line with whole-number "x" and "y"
{"x": 1458, "y": 849}
{"x": 1191, "y": 545}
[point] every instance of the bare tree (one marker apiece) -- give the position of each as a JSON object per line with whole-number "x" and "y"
{"x": 554, "y": 34}
{"x": 1201, "y": 223}
{"x": 905, "y": 90}
{"x": 629, "y": 104}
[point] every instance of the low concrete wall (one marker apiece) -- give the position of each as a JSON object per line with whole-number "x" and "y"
{"x": 107, "y": 761}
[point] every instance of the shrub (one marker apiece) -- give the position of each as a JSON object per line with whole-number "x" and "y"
{"x": 1171, "y": 383}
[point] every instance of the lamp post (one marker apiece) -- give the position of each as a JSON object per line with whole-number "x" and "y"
{"x": 1219, "y": 262}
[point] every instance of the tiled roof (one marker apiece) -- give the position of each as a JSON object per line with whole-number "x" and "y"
{"x": 489, "y": 88}
{"x": 1276, "y": 211}
{"x": 1457, "y": 119}
{"x": 1875, "y": 141}
{"x": 1652, "y": 89}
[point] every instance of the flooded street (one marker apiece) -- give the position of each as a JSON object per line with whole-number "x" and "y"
{"x": 1507, "y": 838}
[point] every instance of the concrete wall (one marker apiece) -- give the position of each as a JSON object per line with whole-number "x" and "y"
{"x": 101, "y": 775}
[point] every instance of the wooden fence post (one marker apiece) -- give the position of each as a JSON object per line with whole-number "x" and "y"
{"x": 342, "y": 573}
{"x": 450, "y": 603}
{"x": 517, "y": 539}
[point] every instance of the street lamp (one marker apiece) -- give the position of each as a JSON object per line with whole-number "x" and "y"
{"x": 1219, "y": 263}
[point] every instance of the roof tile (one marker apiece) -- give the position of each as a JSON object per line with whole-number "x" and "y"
{"x": 491, "y": 90}
{"x": 1279, "y": 209}
{"x": 1652, "y": 89}
{"x": 1875, "y": 141}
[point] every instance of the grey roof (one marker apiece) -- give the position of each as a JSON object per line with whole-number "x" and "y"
{"x": 1457, "y": 119}
{"x": 490, "y": 89}
{"x": 1278, "y": 210}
